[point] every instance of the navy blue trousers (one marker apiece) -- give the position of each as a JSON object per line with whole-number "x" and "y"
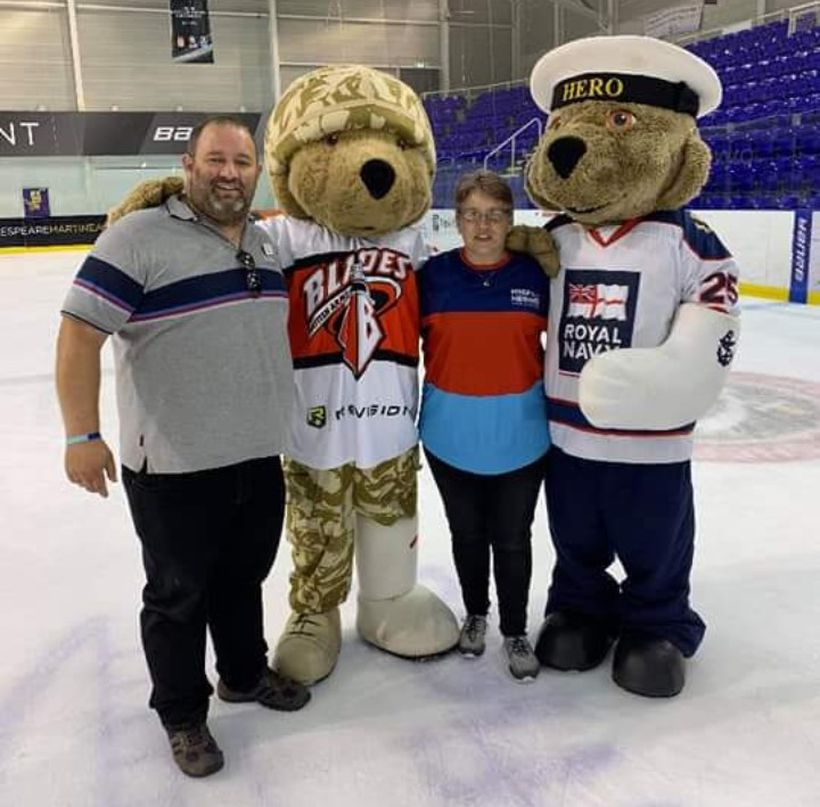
{"x": 643, "y": 515}
{"x": 209, "y": 539}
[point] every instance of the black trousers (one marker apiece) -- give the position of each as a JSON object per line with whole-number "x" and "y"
{"x": 492, "y": 512}
{"x": 209, "y": 539}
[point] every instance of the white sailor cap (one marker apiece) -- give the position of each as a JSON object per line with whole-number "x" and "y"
{"x": 636, "y": 69}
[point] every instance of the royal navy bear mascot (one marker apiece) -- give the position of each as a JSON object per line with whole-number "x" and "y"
{"x": 643, "y": 326}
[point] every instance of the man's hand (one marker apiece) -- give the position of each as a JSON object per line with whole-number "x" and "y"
{"x": 538, "y": 243}
{"x": 88, "y": 464}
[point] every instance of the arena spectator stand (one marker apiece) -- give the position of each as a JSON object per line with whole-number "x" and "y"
{"x": 765, "y": 137}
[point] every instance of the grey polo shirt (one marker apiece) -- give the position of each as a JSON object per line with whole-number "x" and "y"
{"x": 203, "y": 367}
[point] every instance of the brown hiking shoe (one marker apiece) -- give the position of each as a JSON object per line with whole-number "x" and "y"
{"x": 273, "y": 690}
{"x": 195, "y": 750}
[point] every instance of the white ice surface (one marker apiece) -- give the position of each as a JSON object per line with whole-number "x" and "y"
{"x": 75, "y": 729}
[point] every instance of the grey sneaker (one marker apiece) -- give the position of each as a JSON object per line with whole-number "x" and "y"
{"x": 523, "y": 664}
{"x": 471, "y": 638}
{"x": 195, "y": 750}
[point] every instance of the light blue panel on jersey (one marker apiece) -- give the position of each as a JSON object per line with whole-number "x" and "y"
{"x": 491, "y": 434}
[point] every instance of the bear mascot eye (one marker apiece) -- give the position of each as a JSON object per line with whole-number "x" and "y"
{"x": 620, "y": 120}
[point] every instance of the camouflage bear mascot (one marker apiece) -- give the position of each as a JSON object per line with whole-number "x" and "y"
{"x": 351, "y": 157}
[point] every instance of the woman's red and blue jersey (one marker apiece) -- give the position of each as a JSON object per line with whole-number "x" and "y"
{"x": 483, "y": 404}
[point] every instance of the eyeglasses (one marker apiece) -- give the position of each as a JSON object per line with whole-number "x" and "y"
{"x": 252, "y": 276}
{"x": 495, "y": 216}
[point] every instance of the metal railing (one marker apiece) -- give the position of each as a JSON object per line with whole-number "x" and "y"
{"x": 511, "y": 141}
{"x": 470, "y": 93}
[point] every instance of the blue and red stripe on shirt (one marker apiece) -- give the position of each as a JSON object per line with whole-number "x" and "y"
{"x": 483, "y": 404}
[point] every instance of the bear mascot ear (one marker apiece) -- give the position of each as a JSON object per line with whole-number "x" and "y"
{"x": 693, "y": 171}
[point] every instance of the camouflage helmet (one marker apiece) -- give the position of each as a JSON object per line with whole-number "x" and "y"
{"x": 340, "y": 98}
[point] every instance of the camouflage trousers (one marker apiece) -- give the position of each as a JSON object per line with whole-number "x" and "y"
{"x": 321, "y": 522}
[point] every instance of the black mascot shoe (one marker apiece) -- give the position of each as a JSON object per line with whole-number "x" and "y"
{"x": 571, "y": 641}
{"x": 648, "y": 665}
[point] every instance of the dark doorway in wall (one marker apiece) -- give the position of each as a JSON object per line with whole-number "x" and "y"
{"x": 421, "y": 79}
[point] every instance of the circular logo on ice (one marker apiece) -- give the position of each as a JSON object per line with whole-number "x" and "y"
{"x": 761, "y": 418}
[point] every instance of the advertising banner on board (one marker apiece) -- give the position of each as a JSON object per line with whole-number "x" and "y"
{"x": 91, "y": 134}
{"x": 814, "y": 261}
{"x": 51, "y": 232}
{"x": 801, "y": 256}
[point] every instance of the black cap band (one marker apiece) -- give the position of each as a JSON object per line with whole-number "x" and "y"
{"x": 678, "y": 97}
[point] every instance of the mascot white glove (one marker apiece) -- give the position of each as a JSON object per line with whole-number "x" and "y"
{"x": 663, "y": 387}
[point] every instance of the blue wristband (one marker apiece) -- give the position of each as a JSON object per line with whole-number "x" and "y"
{"x": 82, "y": 438}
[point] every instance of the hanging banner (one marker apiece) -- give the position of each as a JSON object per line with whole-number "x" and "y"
{"x": 191, "y": 32}
{"x": 35, "y": 203}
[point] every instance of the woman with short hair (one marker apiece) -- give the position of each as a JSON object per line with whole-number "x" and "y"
{"x": 483, "y": 419}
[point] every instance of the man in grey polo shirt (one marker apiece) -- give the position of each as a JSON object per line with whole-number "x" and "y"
{"x": 197, "y": 307}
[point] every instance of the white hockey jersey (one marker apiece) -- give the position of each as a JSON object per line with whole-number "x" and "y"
{"x": 620, "y": 287}
{"x": 354, "y": 334}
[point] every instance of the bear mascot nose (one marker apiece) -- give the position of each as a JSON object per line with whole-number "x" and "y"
{"x": 564, "y": 154}
{"x": 378, "y": 176}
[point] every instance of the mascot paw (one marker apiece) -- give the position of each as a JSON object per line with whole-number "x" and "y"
{"x": 648, "y": 665}
{"x": 614, "y": 392}
{"x": 536, "y": 242}
{"x": 413, "y": 625}
{"x": 150, "y": 193}
{"x": 309, "y": 646}
{"x": 570, "y": 641}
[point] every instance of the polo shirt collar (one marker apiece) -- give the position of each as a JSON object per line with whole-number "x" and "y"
{"x": 179, "y": 209}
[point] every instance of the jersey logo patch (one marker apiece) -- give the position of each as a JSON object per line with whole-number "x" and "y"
{"x": 597, "y": 301}
{"x": 701, "y": 225}
{"x": 347, "y": 298}
{"x": 317, "y": 417}
{"x": 525, "y": 298}
{"x": 726, "y": 349}
{"x": 598, "y": 314}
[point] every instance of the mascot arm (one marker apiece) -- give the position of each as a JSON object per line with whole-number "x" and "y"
{"x": 536, "y": 242}
{"x": 149, "y": 193}
{"x": 663, "y": 387}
